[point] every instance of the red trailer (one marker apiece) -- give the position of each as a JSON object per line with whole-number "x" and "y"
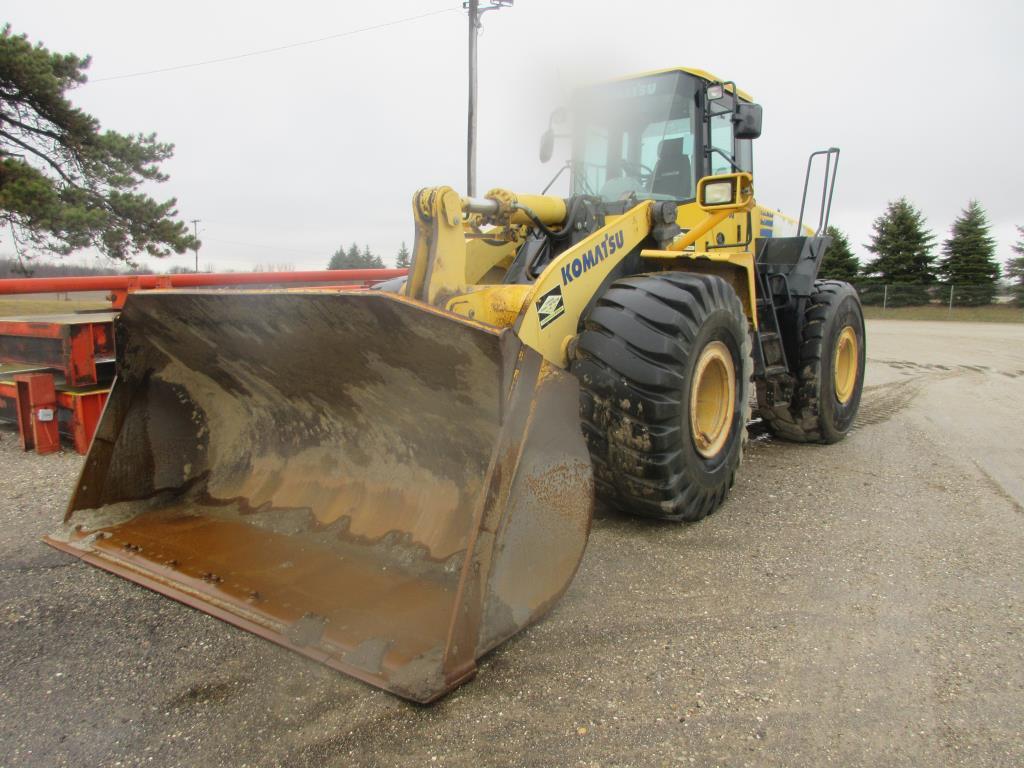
{"x": 44, "y": 409}
{"x": 60, "y": 367}
{"x": 76, "y": 345}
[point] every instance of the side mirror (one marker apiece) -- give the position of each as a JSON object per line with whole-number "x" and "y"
{"x": 547, "y": 139}
{"x": 547, "y": 145}
{"x": 747, "y": 121}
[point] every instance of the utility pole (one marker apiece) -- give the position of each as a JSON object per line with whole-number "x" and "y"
{"x": 195, "y": 229}
{"x": 475, "y": 12}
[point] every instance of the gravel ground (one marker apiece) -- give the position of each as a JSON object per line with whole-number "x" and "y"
{"x": 859, "y": 604}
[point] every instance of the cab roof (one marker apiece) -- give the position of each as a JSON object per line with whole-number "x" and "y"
{"x": 702, "y": 74}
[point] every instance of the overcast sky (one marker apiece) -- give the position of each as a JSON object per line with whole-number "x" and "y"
{"x": 288, "y": 155}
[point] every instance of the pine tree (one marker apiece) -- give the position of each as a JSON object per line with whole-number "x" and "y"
{"x": 839, "y": 263}
{"x": 903, "y": 253}
{"x": 403, "y": 260}
{"x": 338, "y": 260}
{"x": 341, "y": 259}
{"x": 371, "y": 260}
{"x": 354, "y": 257}
{"x": 65, "y": 183}
{"x": 1015, "y": 267}
{"x": 969, "y": 258}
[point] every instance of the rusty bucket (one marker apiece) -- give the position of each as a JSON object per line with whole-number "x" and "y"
{"x": 382, "y": 486}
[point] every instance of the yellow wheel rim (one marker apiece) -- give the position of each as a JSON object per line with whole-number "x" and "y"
{"x": 846, "y": 362}
{"x": 712, "y": 399}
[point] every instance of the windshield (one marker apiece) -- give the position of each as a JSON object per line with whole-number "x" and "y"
{"x": 637, "y": 138}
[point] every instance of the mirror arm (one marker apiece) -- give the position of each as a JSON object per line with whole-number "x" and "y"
{"x": 728, "y": 158}
{"x": 568, "y": 164}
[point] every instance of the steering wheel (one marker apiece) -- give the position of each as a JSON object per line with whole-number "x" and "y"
{"x": 641, "y": 171}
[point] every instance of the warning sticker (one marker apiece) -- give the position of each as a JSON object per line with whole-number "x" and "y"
{"x": 550, "y": 306}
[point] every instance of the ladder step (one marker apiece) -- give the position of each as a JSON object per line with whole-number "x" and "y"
{"x": 772, "y": 352}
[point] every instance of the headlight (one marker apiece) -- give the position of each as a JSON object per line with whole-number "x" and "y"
{"x": 719, "y": 192}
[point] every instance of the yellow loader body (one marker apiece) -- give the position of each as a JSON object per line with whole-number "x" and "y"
{"x": 394, "y": 481}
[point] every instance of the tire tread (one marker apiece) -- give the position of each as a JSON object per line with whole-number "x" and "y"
{"x": 631, "y": 360}
{"x": 799, "y": 421}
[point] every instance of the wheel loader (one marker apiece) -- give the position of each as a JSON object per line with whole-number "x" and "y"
{"x": 393, "y": 482}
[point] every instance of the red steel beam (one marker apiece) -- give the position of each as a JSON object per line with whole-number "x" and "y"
{"x": 190, "y": 280}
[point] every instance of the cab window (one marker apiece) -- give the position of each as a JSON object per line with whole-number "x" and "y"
{"x": 636, "y": 139}
{"x": 722, "y": 139}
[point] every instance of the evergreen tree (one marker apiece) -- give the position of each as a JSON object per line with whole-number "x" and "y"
{"x": 969, "y": 258}
{"x": 839, "y": 263}
{"x": 66, "y": 184}
{"x": 903, "y": 253}
{"x": 1015, "y": 267}
{"x": 371, "y": 260}
{"x": 403, "y": 260}
{"x": 337, "y": 260}
{"x": 353, "y": 258}
{"x": 342, "y": 260}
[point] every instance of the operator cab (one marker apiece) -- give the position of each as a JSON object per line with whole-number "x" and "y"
{"x": 653, "y": 137}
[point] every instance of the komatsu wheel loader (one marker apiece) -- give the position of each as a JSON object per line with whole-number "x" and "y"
{"x": 393, "y": 482}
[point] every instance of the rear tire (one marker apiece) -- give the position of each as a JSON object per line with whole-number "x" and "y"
{"x": 830, "y": 369}
{"x": 664, "y": 370}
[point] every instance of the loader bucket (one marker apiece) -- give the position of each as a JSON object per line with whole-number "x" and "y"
{"x": 385, "y": 487}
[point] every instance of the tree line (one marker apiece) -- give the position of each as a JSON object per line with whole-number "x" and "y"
{"x": 13, "y": 268}
{"x": 905, "y": 258}
{"x": 356, "y": 258}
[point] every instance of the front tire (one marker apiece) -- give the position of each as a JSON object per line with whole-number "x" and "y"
{"x": 830, "y": 369}
{"x": 664, "y": 370}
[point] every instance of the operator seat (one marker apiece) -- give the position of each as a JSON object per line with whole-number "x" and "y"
{"x": 672, "y": 174}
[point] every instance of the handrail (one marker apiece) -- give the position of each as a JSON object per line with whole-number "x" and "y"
{"x": 828, "y": 187}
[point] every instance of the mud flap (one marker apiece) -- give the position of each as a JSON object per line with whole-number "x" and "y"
{"x": 382, "y": 486}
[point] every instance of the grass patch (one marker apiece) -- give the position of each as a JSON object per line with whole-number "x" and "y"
{"x": 15, "y": 307}
{"x": 991, "y": 313}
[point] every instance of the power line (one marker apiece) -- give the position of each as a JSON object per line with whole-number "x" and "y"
{"x": 264, "y": 51}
